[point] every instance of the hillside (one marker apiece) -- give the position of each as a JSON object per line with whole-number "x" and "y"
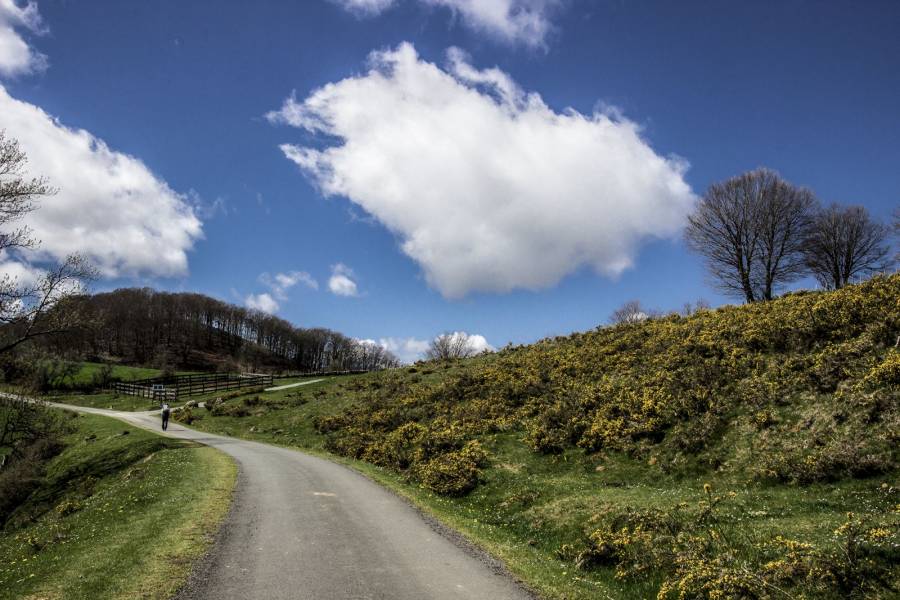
{"x": 748, "y": 451}
{"x": 145, "y": 327}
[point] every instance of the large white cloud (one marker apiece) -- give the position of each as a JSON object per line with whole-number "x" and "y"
{"x": 487, "y": 187}
{"x": 110, "y": 207}
{"x": 16, "y": 56}
{"x": 525, "y": 21}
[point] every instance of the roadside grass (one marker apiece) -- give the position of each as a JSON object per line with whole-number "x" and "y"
{"x": 530, "y": 507}
{"x": 108, "y": 400}
{"x": 121, "y": 513}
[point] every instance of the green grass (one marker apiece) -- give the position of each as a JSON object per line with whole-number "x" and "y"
{"x": 112, "y": 401}
{"x": 529, "y": 505}
{"x": 88, "y": 370}
{"x": 119, "y": 515}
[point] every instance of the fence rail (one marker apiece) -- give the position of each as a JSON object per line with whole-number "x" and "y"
{"x": 179, "y": 386}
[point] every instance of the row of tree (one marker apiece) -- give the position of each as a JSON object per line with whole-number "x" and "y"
{"x": 186, "y": 330}
{"x": 759, "y": 233}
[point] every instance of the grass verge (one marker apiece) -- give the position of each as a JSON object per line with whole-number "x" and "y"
{"x": 121, "y": 513}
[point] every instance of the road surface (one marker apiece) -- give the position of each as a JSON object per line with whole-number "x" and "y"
{"x": 306, "y": 528}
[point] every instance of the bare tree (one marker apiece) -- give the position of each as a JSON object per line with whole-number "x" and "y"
{"x": 17, "y": 194}
{"x": 30, "y": 309}
{"x": 750, "y": 229}
{"x": 451, "y": 345}
{"x": 897, "y": 231}
{"x": 630, "y": 312}
{"x": 843, "y": 243}
{"x": 690, "y": 308}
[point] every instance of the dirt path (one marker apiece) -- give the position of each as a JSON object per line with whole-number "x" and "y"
{"x": 305, "y": 527}
{"x": 291, "y": 385}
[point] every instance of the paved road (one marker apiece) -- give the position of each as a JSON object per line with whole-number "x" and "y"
{"x": 304, "y": 527}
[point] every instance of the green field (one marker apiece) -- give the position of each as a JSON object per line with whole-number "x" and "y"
{"x": 121, "y": 513}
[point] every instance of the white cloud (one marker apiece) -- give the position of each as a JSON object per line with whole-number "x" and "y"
{"x": 341, "y": 282}
{"x": 365, "y": 7}
{"x": 407, "y": 350}
{"x": 280, "y": 283}
{"x": 110, "y": 207}
{"x": 487, "y": 187}
{"x": 19, "y": 273}
{"x": 524, "y": 21}
{"x": 478, "y": 343}
{"x": 262, "y": 302}
{"x": 206, "y": 209}
{"x": 16, "y": 56}
{"x": 410, "y": 349}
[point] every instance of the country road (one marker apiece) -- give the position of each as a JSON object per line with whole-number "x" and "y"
{"x": 302, "y": 527}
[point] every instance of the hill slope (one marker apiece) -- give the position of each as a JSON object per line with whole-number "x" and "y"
{"x": 711, "y": 456}
{"x": 193, "y": 331}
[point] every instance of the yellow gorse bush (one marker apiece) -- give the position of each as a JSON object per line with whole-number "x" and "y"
{"x": 813, "y": 377}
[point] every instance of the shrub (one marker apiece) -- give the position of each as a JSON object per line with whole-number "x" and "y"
{"x": 451, "y": 474}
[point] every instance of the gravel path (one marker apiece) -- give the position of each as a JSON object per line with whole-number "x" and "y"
{"x": 307, "y": 528}
{"x": 291, "y": 385}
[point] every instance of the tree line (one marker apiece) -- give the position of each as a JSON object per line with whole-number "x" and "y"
{"x": 189, "y": 330}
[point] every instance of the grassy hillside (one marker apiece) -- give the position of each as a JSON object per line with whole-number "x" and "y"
{"x": 119, "y": 513}
{"x": 745, "y": 452}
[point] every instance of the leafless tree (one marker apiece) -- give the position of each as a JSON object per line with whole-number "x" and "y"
{"x": 843, "y": 243}
{"x": 450, "y": 345}
{"x": 751, "y": 229}
{"x": 30, "y": 309}
{"x": 18, "y": 194}
{"x": 897, "y": 231}
{"x": 630, "y": 312}
{"x": 690, "y": 308}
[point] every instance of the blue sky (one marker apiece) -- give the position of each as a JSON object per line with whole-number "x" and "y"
{"x": 807, "y": 88}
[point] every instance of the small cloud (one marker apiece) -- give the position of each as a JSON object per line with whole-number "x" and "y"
{"x": 204, "y": 209}
{"x": 341, "y": 282}
{"x": 511, "y": 21}
{"x": 407, "y": 350}
{"x": 280, "y": 283}
{"x": 262, "y": 302}
{"x": 365, "y": 8}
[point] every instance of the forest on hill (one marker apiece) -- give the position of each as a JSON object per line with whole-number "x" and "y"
{"x": 142, "y": 326}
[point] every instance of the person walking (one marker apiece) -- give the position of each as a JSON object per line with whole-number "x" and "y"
{"x": 165, "y": 415}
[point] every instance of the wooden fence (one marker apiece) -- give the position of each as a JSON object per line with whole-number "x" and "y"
{"x": 181, "y": 386}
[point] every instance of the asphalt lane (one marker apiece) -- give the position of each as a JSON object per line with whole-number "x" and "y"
{"x": 306, "y": 528}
